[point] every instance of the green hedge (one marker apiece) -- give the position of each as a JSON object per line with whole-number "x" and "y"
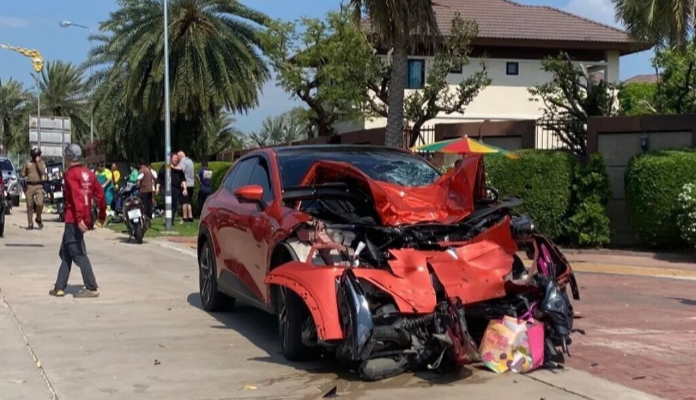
{"x": 653, "y": 183}
{"x": 219, "y": 168}
{"x": 543, "y": 178}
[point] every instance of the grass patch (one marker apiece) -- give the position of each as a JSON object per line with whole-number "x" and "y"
{"x": 157, "y": 228}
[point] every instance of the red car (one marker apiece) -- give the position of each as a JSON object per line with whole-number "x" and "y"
{"x": 373, "y": 254}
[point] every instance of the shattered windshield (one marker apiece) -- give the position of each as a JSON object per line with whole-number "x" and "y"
{"x": 382, "y": 165}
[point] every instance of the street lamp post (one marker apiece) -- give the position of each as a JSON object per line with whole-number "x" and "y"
{"x": 68, "y": 24}
{"x": 167, "y": 128}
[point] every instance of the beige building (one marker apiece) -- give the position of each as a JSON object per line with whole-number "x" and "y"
{"x": 513, "y": 40}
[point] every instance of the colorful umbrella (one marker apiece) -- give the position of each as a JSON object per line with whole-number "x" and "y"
{"x": 464, "y": 145}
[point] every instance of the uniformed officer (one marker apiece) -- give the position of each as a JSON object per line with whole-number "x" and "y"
{"x": 35, "y": 173}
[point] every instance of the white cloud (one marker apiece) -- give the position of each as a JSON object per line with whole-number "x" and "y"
{"x": 596, "y": 10}
{"x": 13, "y": 22}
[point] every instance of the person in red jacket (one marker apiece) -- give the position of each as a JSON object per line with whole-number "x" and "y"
{"x": 81, "y": 188}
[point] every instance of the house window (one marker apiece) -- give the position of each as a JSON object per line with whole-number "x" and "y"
{"x": 416, "y": 74}
{"x": 513, "y": 68}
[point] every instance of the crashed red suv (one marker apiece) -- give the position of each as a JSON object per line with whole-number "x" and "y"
{"x": 372, "y": 254}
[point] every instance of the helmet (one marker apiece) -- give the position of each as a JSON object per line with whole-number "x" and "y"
{"x": 73, "y": 152}
{"x": 34, "y": 152}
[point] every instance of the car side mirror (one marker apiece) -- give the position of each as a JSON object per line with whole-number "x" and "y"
{"x": 251, "y": 194}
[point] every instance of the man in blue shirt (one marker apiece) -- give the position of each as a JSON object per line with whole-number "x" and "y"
{"x": 205, "y": 179}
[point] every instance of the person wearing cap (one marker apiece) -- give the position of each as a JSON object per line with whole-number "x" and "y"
{"x": 35, "y": 173}
{"x": 81, "y": 188}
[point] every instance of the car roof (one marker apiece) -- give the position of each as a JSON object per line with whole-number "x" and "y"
{"x": 352, "y": 148}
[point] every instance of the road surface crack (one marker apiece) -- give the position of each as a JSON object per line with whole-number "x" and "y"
{"x": 37, "y": 361}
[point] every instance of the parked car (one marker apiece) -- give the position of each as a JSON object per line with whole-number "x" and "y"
{"x": 372, "y": 254}
{"x": 12, "y": 186}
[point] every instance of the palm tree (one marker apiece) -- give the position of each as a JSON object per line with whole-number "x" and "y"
{"x": 284, "y": 128}
{"x": 219, "y": 136}
{"x": 398, "y": 24}
{"x": 13, "y": 101}
{"x": 64, "y": 94}
{"x": 667, "y": 22}
{"x": 214, "y": 59}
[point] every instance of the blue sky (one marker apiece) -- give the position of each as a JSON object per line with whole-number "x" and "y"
{"x": 34, "y": 24}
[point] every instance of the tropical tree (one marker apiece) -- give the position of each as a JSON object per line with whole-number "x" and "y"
{"x": 13, "y": 101}
{"x": 570, "y": 98}
{"x": 284, "y": 128}
{"x": 322, "y": 62}
{"x": 665, "y": 22}
{"x": 437, "y": 97}
{"x": 219, "y": 135}
{"x": 214, "y": 61}
{"x": 398, "y": 25}
{"x": 64, "y": 94}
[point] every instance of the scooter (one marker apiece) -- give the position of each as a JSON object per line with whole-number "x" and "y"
{"x": 134, "y": 213}
{"x": 58, "y": 199}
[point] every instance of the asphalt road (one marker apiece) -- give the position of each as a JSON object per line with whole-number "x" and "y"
{"x": 146, "y": 337}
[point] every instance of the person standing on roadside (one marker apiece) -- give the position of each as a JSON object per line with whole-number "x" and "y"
{"x": 35, "y": 173}
{"x": 178, "y": 183}
{"x": 81, "y": 188}
{"x": 116, "y": 174}
{"x": 106, "y": 178}
{"x": 205, "y": 180}
{"x": 145, "y": 187}
{"x": 189, "y": 173}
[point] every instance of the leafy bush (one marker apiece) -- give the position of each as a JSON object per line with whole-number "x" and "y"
{"x": 636, "y": 98}
{"x": 543, "y": 178}
{"x": 219, "y": 169}
{"x": 589, "y": 224}
{"x": 654, "y": 181}
{"x": 687, "y": 213}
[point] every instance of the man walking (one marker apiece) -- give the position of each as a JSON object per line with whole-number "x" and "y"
{"x": 81, "y": 187}
{"x": 35, "y": 173}
{"x": 146, "y": 186}
{"x": 189, "y": 174}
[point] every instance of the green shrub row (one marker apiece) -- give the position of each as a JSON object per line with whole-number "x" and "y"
{"x": 219, "y": 169}
{"x": 567, "y": 200}
{"x": 653, "y": 183}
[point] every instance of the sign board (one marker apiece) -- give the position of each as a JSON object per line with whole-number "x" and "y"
{"x": 56, "y": 132}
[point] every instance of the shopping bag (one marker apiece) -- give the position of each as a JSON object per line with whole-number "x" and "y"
{"x": 497, "y": 345}
{"x": 528, "y": 346}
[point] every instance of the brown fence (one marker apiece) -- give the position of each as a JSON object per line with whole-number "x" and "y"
{"x": 620, "y": 138}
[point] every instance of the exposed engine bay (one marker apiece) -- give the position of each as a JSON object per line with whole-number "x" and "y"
{"x": 393, "y": 283}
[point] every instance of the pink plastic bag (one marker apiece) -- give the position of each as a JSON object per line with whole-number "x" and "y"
{"x": 529, "y": 352}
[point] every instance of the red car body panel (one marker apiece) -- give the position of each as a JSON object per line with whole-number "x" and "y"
{"x": 448, "y": 200}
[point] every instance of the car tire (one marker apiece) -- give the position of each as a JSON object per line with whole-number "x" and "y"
{"x": 292, "y": 315}
{"x": 211, "y": 299}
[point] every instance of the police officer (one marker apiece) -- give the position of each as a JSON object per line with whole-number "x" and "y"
{"x": 35, "y": 173}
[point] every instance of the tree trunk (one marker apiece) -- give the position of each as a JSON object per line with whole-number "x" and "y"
{"x": 395, "y": 118}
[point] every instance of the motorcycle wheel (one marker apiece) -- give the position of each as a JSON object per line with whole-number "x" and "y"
{"x": 138, "y": 233}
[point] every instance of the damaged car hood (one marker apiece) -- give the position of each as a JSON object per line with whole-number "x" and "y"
{"x": 448, "y": 200}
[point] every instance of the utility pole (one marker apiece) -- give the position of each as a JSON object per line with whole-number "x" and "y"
{"x": 167, "y": 128}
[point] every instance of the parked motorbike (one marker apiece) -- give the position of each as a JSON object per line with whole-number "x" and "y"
{"x": 133, "y": 212}
{"x": 57, "y": 198}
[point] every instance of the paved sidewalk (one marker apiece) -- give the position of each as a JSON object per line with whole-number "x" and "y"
{"x": 147, "y": 338}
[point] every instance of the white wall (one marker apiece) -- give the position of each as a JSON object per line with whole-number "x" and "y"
{"x": 506, "y": 98}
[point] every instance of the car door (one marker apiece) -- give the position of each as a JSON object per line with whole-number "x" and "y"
{"x": 232, "y": 222}
{"x": 261, "y": 227}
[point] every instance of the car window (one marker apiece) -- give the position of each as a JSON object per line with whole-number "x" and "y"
{"x": 240, "y": 175}
{"x": 5, "y": 165}
{"x": 261, "y": 177}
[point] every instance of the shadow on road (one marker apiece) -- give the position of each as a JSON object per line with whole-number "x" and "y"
{"x": 261, "y": 329}
{"x": 686, "y": 302}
